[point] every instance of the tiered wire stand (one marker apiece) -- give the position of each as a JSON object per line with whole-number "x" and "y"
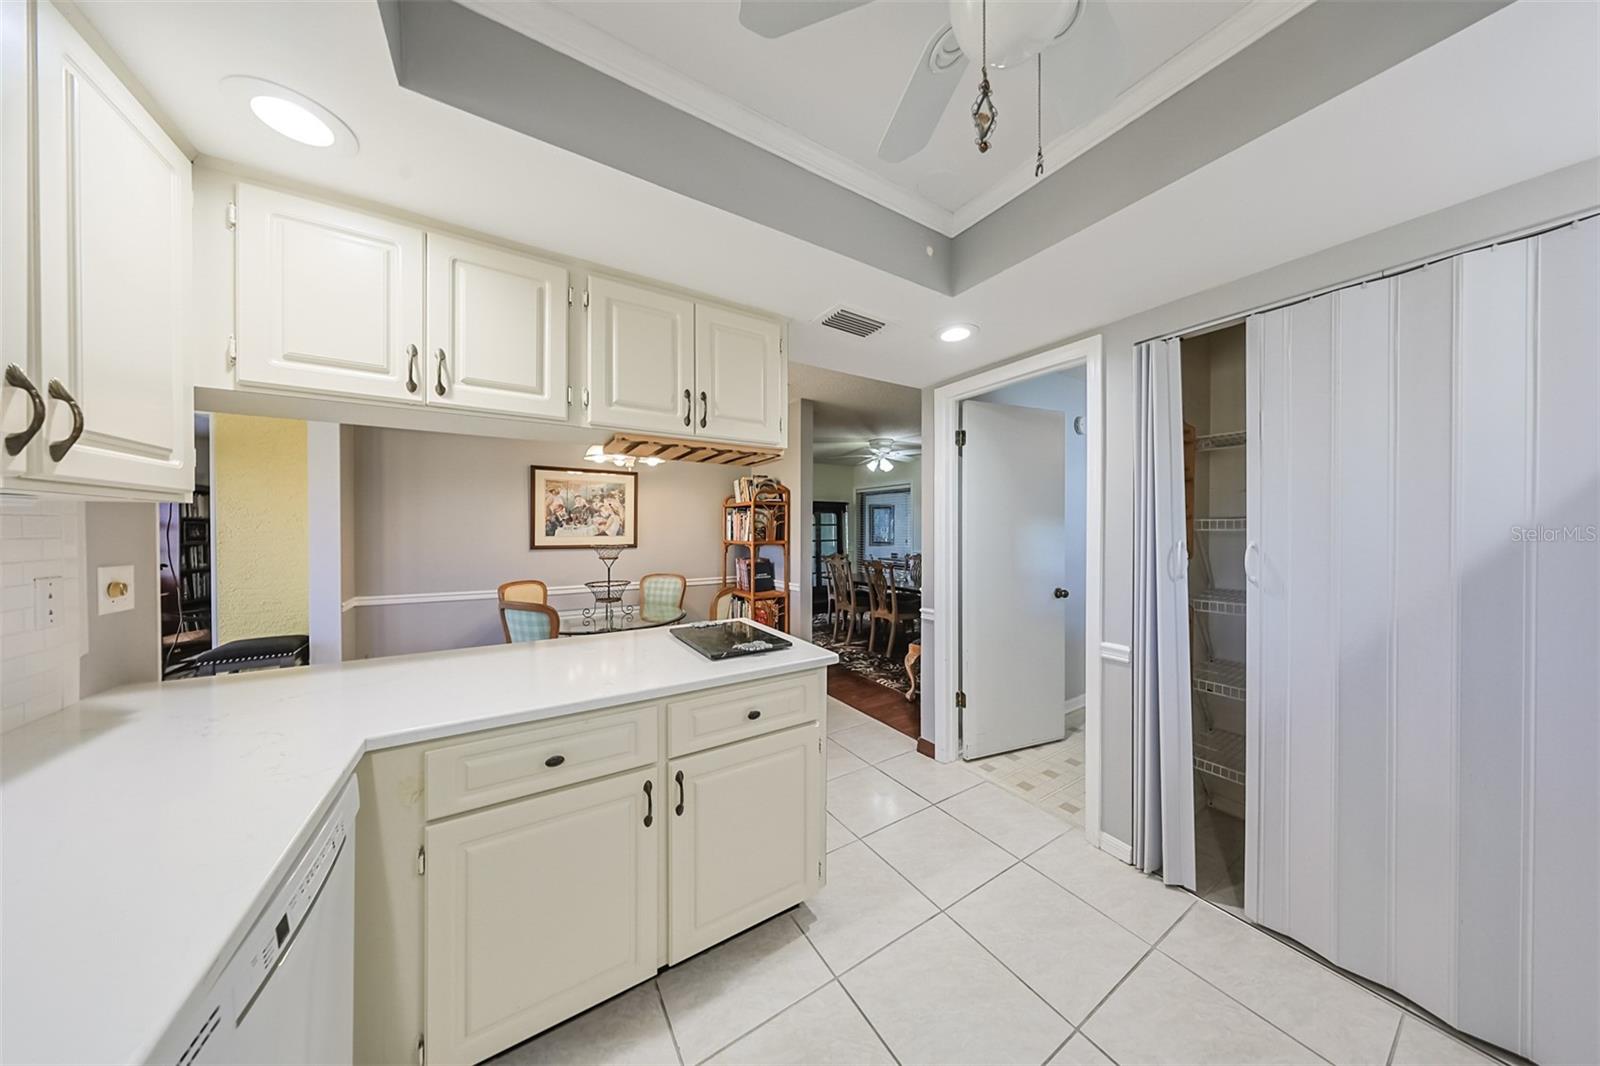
{"x": 608, "y": 609}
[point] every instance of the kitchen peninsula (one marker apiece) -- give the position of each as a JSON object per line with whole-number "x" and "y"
{"x": 619, "y": 800}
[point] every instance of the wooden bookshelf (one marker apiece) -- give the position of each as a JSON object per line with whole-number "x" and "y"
{"x": 756, "y": 531}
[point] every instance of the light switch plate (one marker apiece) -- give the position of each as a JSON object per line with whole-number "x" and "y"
{"x": 105, "y": 577}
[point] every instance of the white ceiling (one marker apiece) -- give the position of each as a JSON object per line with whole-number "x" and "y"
{"x": 823, "y": 95}
{"x": 1508, "y": 98}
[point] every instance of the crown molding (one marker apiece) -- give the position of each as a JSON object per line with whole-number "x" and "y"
{"x": 583, "y": 42}
{"x": 1248, "y": 25}
{"x": 576, "y": 38}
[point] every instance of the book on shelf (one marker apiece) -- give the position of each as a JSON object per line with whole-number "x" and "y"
{"x": 739, "y": 524}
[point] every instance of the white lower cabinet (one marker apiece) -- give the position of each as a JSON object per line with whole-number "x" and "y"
{"x": 537, "y": 910}
{"x": 745, "y": 837}
{"x": 509, "y": 879}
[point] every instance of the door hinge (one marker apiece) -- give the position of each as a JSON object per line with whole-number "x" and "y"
{"x": 422, "y": 1049}
{"x": 231, "y": 216}
{"x": 961, "y": 438}
{"x": 961, "y": 700}
{"x": 422, "y": 862}
{"x": 586, "y": 297}
{"x": 233, "y": 352}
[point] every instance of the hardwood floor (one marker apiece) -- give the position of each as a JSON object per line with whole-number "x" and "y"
{"x": 875, "y": 700}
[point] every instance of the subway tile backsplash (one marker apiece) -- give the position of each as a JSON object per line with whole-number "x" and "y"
{"x": 39, "y": 539}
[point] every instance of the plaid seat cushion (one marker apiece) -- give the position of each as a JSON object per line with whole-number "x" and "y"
{"x": 661, "y": 596}
{"x": 527, "y": 625}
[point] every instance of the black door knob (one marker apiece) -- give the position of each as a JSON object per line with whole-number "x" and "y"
{"x": 1062, "y": 594}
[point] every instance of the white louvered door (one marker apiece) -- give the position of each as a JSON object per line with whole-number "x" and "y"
{"x": 1425, "y": 636}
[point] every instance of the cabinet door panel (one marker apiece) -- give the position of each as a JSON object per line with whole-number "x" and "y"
{"x": 114, "y": 235}
{"x": 537, "y": 910}
{"x": 500, "y": 320}
{"x": 330, "y": 300}
{"x": 641, "y": 358}
{"x": 748, "y": 842}
{"x": 739, "y": 374}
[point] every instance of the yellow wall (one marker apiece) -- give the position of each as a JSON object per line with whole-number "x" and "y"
{"x": 258, "y": 486}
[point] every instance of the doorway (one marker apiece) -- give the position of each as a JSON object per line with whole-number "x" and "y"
{"x": 1015, "y": 645}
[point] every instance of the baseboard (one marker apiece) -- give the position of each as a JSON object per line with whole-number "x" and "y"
{"x": 1076, "y": 712}
{"x": 1116, "y": 848}
{"x": 925, "y": 747}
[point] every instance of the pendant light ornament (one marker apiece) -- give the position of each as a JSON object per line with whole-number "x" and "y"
{"x": 984, "y": 113}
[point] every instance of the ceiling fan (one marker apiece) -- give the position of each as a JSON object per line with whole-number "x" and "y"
{"x": 1017, "y": 30}
{"x": 882, "y": 452}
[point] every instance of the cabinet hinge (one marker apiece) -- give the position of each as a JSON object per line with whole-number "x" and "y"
{"x": 819, "y": 869}
{"x": 422, "y": 1049}
{"x": 233, "y": 352}
{"x": 232, "y": 215}
{"x": 586, "y": 297}
{"x": 422, "y": 862}
{"x": 961, "y": 438}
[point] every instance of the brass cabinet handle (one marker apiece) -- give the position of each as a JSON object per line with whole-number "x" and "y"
{"x": 705, "y": 408}
{"x": 678, "y": 777}
{"x": 438, "y": 385}
{"x": 60, "y": 448}
{"x": 15, "y": 442}
{"x": 688, "y": 407}
{"x": 649, "y": 804}
{"x": 411, "y": 368}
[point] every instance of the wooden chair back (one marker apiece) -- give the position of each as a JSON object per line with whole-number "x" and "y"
{"x": 521, "y": 622}
{"x": 528, "y": 590}
{"x": 722, "y": 603}
{"x": 880, "y": 589}
{"x": 661, "y": 595}
{"x": 914, "y": 569}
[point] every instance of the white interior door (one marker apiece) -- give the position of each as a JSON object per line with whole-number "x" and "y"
{"x": 330, "y": 300}
{"x": 1013, "y": 558}
{"x": 114, "y": 234}
{"x": 739, "y": 376}
{"x": 641, "y": 359}
{"x": 497, "y": 330}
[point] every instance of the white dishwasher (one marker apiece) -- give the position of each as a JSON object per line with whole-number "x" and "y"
{"x": 288, "y": 994}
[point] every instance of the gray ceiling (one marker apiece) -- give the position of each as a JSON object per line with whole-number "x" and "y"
{"x": 461, "y": 58}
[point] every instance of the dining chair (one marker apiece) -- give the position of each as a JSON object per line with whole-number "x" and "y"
{"x": 527, "y": 590}
{"x": 521, "y": 621}
{"x": 661, "y": 595}
{"x": 854, "y": 604}
{"x": 914, "y": 570}
{"x": 887, "y": 604}
{"x": 722, "y": 604}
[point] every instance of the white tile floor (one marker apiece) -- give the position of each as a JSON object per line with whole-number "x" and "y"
{"x": 961, "y": 924}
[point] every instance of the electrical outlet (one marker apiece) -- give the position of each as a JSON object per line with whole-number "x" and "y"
{"x": 47, "y": 603}
{"x": 115, "y": 584}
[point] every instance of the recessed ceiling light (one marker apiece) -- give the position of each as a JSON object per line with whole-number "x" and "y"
{"x": 292, "y": 120}
{"x": 291, "y": 114}
{"x": 956, "y": 332}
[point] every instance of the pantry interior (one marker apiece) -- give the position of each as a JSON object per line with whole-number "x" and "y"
{"x": 1215, "y": 481}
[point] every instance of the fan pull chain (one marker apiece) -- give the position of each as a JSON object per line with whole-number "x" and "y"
{"x": 1038, "y": 159}
{"x": 984, "y": 113}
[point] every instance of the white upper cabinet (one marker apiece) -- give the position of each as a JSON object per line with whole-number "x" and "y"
{"x": 641, "y": 359}
{"x": 112, "y": 285}
{"x": 497, "y": 330}
{"x": 739, "y": 376}
{"x": 330, "y": 300}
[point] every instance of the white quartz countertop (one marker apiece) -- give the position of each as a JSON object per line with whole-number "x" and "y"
{"x": 142, "y": 830}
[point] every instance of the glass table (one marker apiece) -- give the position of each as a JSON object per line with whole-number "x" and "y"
{"x": 618, "y": 618}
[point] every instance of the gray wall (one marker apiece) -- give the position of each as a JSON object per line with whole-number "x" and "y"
{"x": 1552, "y": 197}
{"x": 124, "y": 648}
{"x": 440, "y": 513}
{"x": 795, "y": 470}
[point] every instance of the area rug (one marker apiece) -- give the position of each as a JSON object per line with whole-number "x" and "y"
{"x": 891, "y": 673}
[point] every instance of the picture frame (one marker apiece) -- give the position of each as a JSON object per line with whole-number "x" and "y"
{"x": 571, "y": 508}
{"x": 880, "y": 524}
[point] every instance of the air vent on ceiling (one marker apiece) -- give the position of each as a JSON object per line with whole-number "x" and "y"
{"x": 852, "y": 322}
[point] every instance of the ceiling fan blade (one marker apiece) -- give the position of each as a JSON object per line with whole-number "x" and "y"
{"x": 927, "y": 94}
{"x": 774, "y": 18}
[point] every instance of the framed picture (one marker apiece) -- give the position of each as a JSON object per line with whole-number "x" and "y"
{"x": 584, "y": 508}
{"x": 880, "y": 523}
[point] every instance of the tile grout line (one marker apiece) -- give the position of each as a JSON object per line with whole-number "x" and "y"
{"x": 671, "y": 1032}
{"x": 1394, "y": 1045}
